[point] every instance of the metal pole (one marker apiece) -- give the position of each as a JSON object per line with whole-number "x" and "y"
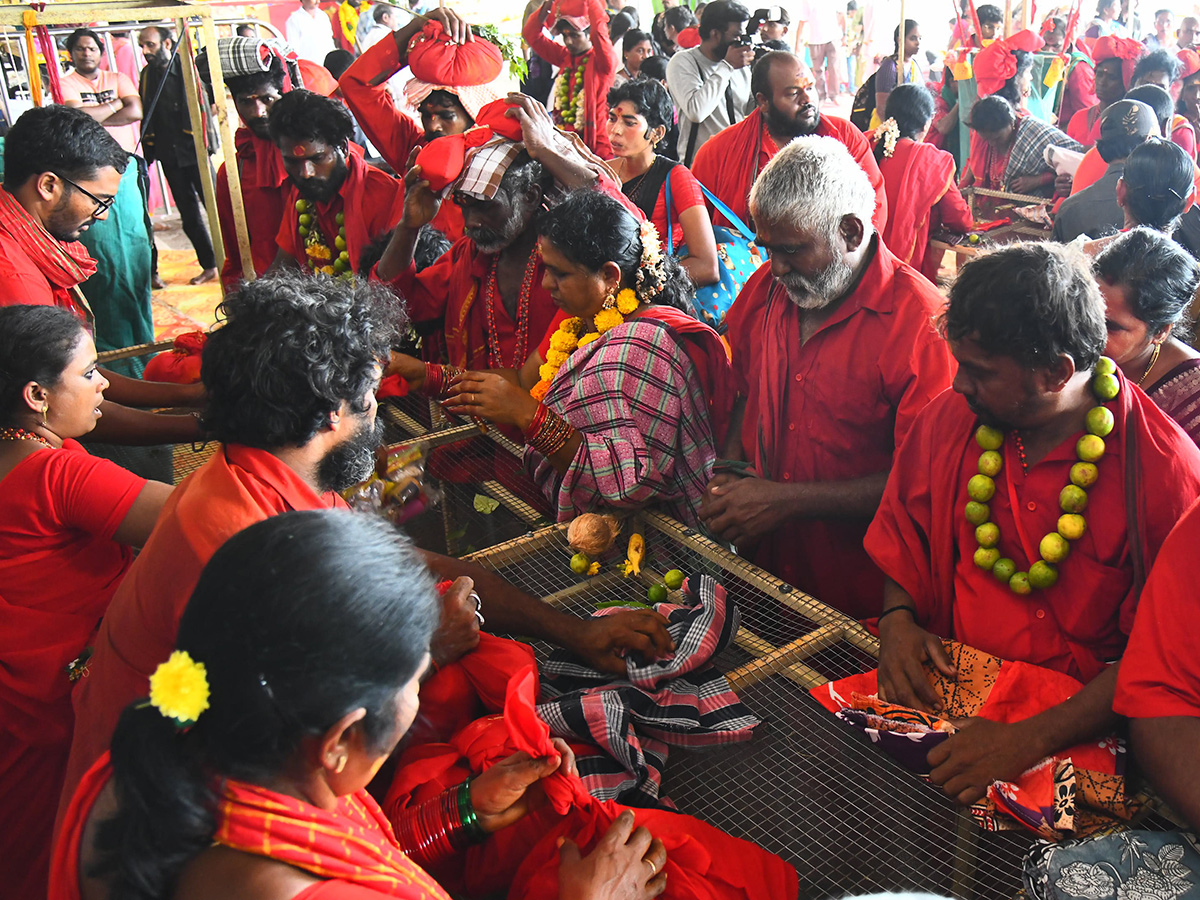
{"x": 196, "y": 96}
{"x": 903, "y": 42}
{"x": 1007, "y": 18}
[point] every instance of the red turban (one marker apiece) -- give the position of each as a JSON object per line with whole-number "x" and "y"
{"x": 1127, "y": 50}
{"x": 688, "y": 38}
{"x": 442, "y": 160}
{"x": 317, "y": 78}
{"x": 1191, "y": 62}
{"x": 433, "y": 57}
{"x": 181, "y": 365}
{"x": 995, "y": 63}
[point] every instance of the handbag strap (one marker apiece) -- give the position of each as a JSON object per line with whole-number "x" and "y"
{"x": 717, "y": 203}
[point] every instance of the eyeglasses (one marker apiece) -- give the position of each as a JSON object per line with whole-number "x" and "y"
{"x": 102, "y": 206}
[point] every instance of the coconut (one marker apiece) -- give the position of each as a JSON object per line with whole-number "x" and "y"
{"x": 593, "y": 534}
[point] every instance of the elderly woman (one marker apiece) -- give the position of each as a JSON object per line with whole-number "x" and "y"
{"x": 1013, "y": 149}
{"x": 1148, "y": 282}
{"x": 622, "y": 413}
{"x": 67, "y": 526}
{"x": 245, "y": 772}
{"x": 918, "y": 178}
{"x": 636, "y": 47}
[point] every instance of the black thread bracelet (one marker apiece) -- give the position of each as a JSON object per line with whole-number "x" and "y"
{"x": 888, "y": 612}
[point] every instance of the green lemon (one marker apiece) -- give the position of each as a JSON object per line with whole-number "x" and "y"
{"x": 989, "y": 438}
{"x": 339, "y": 242}
{"x": 986, "y": 557}
{"x": 1105, "y": 367}
{"x": 303, "y": 231}
{"x": 340, "y": 265}
{"x": 1089, "y": 448}
{"x": 657, "y": 593}
{"x": 1019, "y": 583}
{"x": 977, "y": 513}
{"x": 1084, "y": 474}
{"x": 301, "y": 205}
{"x": 1071, "y": 526}
{"x": 305, "y": 219}
{"x": 1054, "y": 547}
{"x": 673, "y": 579}
{"x": 981, "y": 488}
{"x": 344, "y": 256}
{"x": 973, "y": 239}
{"x": 987, "y": 534}
{"x": 990, "y": 463}
{"x": 340, "y": 218}
{"x": 1072, "y": 499}
{"x": 1106, "y": 386}
{"x": 1100, "y": 421}
{"x": 1004, "y": 569}
{"x": 580, "y": 563}
{"x": 1042, "y": 575}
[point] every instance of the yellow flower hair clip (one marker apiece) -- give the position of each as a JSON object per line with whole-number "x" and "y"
{"x": 179, "y": 689}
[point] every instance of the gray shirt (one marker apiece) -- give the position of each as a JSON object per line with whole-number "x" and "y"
{"x": 699, "y": 88}
{"x": 1094, "y": 210}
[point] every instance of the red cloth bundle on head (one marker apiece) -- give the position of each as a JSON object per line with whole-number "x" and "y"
{"x": 996, "y": 63}
{"x": 688, "y": 38}
{"x": 443, "y": 160}
{"x": 180, "y": 364}
{"x": 1190, "y": 60}
{"x": 1127, "y": 50}
{"x": 433, "y": 57}
{"x": 317, "y": 78}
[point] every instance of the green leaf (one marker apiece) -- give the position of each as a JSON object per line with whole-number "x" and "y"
{"x": 485, "y": 504}
{"x": 509, "y": 49}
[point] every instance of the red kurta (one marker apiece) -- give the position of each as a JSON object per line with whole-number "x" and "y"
{"x": 921, "y": 539}
{"x": 597, "y": 77}
{"x": 1085, "y": 126}
{"x": 1160, "y": 673}
{"x": 922, "y": 194}
{"x": 731, "y": 159}
{"x": 1080, "y": 90}
{"x": 236, "y": 488}
{"x": 260, "y": 167}
{"x": 392, "y": 132}
{"x": 834, "y": 408}
{"x": 59, "y": 567}
{"x": 372, "y": 203}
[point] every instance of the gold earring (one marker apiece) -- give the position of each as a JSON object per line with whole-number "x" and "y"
{"x": 610, "y": 301}
{"x": 46, "y": 414}
{"x": 341, "y": 764}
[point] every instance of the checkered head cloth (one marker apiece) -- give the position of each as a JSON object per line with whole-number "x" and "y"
{"x": 485, "y": 167}
{"x": 251, "y": 56}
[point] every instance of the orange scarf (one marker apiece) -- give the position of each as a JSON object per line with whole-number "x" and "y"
{"x": 354, "y": 843}
{"x": 64, "y": 263}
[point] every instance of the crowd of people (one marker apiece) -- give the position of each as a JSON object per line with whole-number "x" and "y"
{"x": 1008, "y": 459}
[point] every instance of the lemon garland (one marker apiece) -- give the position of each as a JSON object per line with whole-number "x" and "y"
{"x": 570, "y": 97}
{"x": 320, "y": 256}
{"x": 1055, "y": 546}
{"x": 570, "y": 337}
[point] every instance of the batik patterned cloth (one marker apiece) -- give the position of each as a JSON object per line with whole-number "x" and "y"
{"x": 635, "y": 398}
{"x": 1129, "y": 865}
{"x": 682, "y": 701}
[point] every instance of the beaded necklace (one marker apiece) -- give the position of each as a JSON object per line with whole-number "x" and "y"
{"x": 568, "y": 102}
{"x": 492, "y": 297}
{"x": 319, "y": 256}
{"x": 1054, "y": 547}
{"x": 20, "y": 434}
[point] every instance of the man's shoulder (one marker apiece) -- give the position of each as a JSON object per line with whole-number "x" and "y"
{"x": 842, "y": 129}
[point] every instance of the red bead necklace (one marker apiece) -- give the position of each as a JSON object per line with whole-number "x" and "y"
{"x": 492, "y": 298}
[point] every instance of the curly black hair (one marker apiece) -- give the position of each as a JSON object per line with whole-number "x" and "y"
{"x": 649, "y": 99}
{"x": 62, "y": 140}
{"x": 289, "y": 351}
{"x": 1157, "y": 61}
{"x": 307, "y": 116}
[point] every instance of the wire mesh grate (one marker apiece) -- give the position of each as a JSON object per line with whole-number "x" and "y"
{"x": 806, "y": 786}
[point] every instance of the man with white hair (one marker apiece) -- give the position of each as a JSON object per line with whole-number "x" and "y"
{"x": 835, "y": 354}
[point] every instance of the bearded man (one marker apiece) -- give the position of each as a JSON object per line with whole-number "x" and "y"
{"x": 835, "y": 354}
{"x": 782, "y": 86}
{"x": 335, "y": 204}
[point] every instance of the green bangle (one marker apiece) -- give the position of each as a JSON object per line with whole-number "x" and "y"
{"x": 466, "y": 812}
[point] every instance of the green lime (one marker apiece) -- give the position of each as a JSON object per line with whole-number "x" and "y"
{"x": 1100, "y": 421}
{"x": 990, "y": 463}
{"x": 1105, "y": 367}
{"x": 306, "y": 219}
{"x": 981, "y": 488}
{"x": 986, "y": 557}
{"x": 580, "y": 563}
{"x": 657, "y": 593}
{"x": 973, "y": 239}
{"x": 1042, "y": 575}
{"x": 1054, "y": 547}
{"x": 989, "y": 438}
{"x": 977, "y": 513}
{"x": 1004, "y": 569}
{"x": 340, "y": 265}
{"x": 344, "y": 256}
{"x": 1019, "y": 583}
{"x": 1084, "y": 474}
{"x": 1089, "y": 448}
{"x": 1106, "y": 386}
{"x": 340, "y": 218}
{"x": 674, "y": 579}
{"x": 303, "y": 231}
{"x": 1072, "y": 499}
{"x": 301, "y": 205}
{"x": 339, "y": 242}
{"x": 1071, "y": 526}
{"x": 987, "y": 534}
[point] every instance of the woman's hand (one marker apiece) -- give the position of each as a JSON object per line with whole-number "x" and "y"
{"x": 627, "y": 864}
{"x": 510, "y": 788}
{"x": 407, "y": 367}
{"x": 488, "y": 395}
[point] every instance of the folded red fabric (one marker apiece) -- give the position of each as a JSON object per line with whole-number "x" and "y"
{"x": 434, "y": 58}
{"x": 180, "y": 364}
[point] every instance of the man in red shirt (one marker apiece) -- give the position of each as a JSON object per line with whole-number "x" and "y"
{"x": 334, "y": 205}
{"x": 835, "y": 354}
{"x": 975, "y": 527}
{"x": 445, "y": 109}
{"x": 730, "y": 161}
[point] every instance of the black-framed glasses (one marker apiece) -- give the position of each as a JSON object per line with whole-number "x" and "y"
{"x": 102, "y": 206}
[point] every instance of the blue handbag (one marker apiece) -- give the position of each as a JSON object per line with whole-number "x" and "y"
{"x": 737, "y": 259}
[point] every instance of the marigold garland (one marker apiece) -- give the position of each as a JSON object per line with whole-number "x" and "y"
{"x": 568, "y": 338}
{"x": 319, "y": 255}
{"x": 179, "y": 689}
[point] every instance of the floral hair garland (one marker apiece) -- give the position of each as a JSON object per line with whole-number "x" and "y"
{"x": 179, "y": 689}
{"x": 889, "y": 133}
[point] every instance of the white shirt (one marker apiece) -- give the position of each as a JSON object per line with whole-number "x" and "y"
{"x": 821, "y": 22}
{"x": 310, "y": 34}
{"x": 699, "y": 86}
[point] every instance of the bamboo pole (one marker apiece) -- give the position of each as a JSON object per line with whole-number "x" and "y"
{"x": 903, "y": 42}
{"x": 196, "y": 96}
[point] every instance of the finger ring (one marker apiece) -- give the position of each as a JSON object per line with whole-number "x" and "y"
{"x": 478, "y": 606}
{"x": 653, "y": 867}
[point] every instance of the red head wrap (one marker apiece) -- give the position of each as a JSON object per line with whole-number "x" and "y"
{"x": 1191, "y": 62}
{"x": 442, "y": 160}
{"x": 688, "y": 38}
{"x": 317, "y": 78}
{"x": 435, "y": 59}
{"x": 995, "y": 63}
{"x": 1127, "y": 50}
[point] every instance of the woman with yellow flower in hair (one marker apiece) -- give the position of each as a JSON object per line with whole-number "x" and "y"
{"x": 630, "y": 396}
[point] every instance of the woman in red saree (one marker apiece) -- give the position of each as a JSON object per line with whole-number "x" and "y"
{"x": 918, "y": 178}
{"x": 67, "y": 525}
{"x": 244, "y": 774}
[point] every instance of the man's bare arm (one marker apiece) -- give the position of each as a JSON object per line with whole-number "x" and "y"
{"x": 1165, "y": 749}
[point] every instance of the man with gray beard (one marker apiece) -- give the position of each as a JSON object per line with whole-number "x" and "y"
{"x": 835, "y": 353}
